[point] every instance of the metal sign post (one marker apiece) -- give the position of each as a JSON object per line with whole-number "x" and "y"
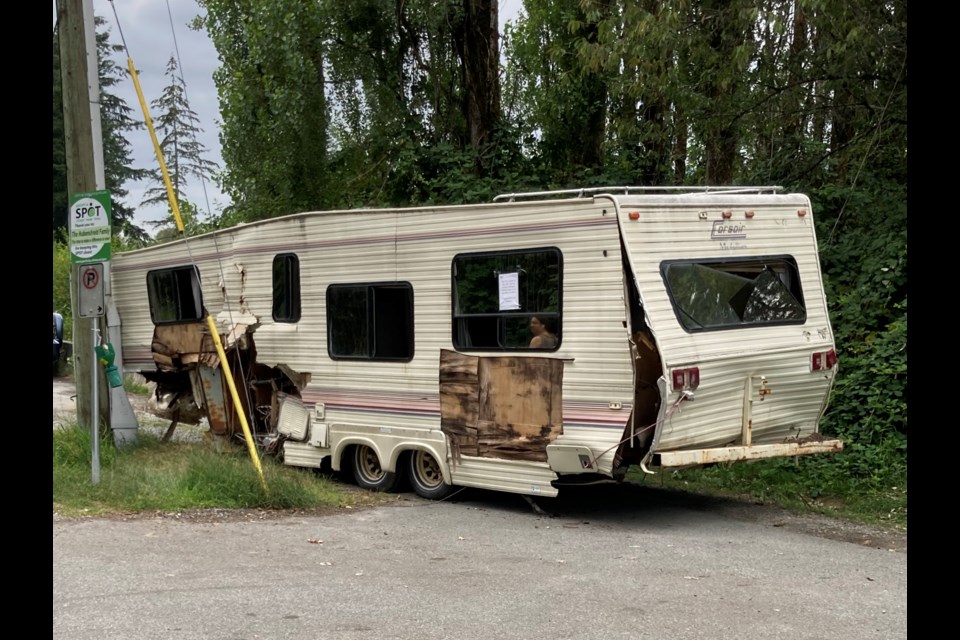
{"x": 90, "y": 247}
{"x": 94, "y": 412}
{"x": 91, "y": 299}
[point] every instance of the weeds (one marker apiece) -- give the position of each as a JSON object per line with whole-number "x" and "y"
{"x": 134, "y": 386}
{"x": 865, "y": 484}
{"x": 862, "y": 483}
{"x": 157, "y": 476}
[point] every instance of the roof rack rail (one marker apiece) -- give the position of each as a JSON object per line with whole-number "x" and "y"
{"x": 588, "y": 191}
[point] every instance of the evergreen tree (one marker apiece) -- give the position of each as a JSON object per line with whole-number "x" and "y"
{"x": 177, "y": 127}
{"x": 115, "y": 121}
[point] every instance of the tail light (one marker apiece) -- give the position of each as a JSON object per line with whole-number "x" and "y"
{"x": 688, "y": 378}
{"x": 823, "y": 360}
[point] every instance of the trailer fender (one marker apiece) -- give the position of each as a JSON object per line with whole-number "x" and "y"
{"x": 336, "y": 455}
{"x": 407, "y": 447}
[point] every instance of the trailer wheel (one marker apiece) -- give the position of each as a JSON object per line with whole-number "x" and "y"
{"x": 367, "y": 470}
{"x": 426, "y": 478}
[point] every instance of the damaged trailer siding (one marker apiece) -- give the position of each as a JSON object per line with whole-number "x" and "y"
{"x": 756, "y": 386}
{"x": 416, "y": 247}
{"x": 508, "y": 419}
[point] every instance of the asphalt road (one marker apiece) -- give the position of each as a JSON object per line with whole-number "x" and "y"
{"x": 625, "y": 561}
{"x": 621, "y": 561}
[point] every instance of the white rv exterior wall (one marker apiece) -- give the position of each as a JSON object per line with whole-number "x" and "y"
{"x": 732, "y": 362}
{"x": 384, "y": 404}
{"x": 415, "y": 246}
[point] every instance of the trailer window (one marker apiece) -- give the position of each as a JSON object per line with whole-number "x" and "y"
{"x": 732, "y": 294}
{"x": 501, "y": 299}
{"x": 286, "y": 288}
{"x": 174, "y": 295}
{"x": 370, "y": 321}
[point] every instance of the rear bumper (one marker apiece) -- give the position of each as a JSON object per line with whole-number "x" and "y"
{"x": 698, "y": 457}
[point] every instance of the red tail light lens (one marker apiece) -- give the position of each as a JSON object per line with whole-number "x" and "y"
{"x": 678, "y": 379}
{"x": 688, "y": 378}
{"x": 831, "y": 359}
{"x": 823, "y": 360}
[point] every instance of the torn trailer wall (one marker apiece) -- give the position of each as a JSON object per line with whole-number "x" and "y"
{"x": 191, "y": 383}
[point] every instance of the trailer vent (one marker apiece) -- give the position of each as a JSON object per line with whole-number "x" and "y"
{"x": 294, "y": 417}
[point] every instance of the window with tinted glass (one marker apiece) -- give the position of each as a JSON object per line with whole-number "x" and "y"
{"x": 286, "y": 288}
{"x": 730, "y": 294}
{"x": 370, "y": 321}
{"x": 174, "y": 295}
{"x": 499, "y": 296}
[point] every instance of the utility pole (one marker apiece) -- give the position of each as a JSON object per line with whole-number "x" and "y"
{"x": 81, "y": 117}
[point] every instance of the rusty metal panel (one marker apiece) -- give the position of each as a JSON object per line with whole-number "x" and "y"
{"x": 757, "y": 452}
{"x": 218, "y": 407}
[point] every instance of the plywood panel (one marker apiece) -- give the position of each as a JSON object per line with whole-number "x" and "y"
{"x": 501, "y": 407}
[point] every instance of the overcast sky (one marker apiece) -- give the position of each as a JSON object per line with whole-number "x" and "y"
{"x": 155, "y": 30}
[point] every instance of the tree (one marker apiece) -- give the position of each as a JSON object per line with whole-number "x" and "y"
{"x": 720, "y": 56}
{"x": 564, "y": 94}
{"x": 177, "y": 126}
{"x": 367, "y": 103}
{"x": 115, "y": 121}
{"x": 273, "y": 104}
{"x": 476, "y": 40}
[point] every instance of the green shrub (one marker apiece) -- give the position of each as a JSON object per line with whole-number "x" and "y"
{"x": 61, "y": 286}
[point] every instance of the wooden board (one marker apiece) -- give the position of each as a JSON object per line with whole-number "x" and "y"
{"x": 501, "y": 407}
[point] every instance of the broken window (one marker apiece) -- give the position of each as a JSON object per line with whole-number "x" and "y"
{"x": 731, "y": 294}
{"x": 286, "y": 288}
{"x": 370, "y": 321}
{"x": 174, "y": 295}
{"x": 500, "y": 299}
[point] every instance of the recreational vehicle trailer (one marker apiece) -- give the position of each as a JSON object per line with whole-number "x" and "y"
{"x": 675, "y": 327}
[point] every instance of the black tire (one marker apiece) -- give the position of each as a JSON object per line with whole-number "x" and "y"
{"x": 425, "y": 476}
{"x": 367, "y": 471}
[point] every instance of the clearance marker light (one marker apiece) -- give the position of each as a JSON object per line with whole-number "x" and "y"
{"x": 634, "y": 215}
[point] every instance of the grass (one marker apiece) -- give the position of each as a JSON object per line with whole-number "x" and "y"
{"x": 825, "y": 485}
{"x": 176, "y": 476}
{"x": 133, "y": 385}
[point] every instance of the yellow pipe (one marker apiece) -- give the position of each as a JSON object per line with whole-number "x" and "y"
{"x": 236, "y": 400}
{"x": 213, "y": 327}
{"x": 156, "y": 147}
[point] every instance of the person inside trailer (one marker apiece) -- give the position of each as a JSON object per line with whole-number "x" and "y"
{"x": 543, "y": 336}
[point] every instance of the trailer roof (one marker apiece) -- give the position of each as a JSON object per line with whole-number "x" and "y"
{"x": 586, "y": 192}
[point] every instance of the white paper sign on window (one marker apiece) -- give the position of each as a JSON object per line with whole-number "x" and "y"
{"x": 509, "y": 291}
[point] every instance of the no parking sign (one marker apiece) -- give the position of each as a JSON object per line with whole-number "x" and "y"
{"x": 90, "y": 289}
{"x": 90, "y": 237}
